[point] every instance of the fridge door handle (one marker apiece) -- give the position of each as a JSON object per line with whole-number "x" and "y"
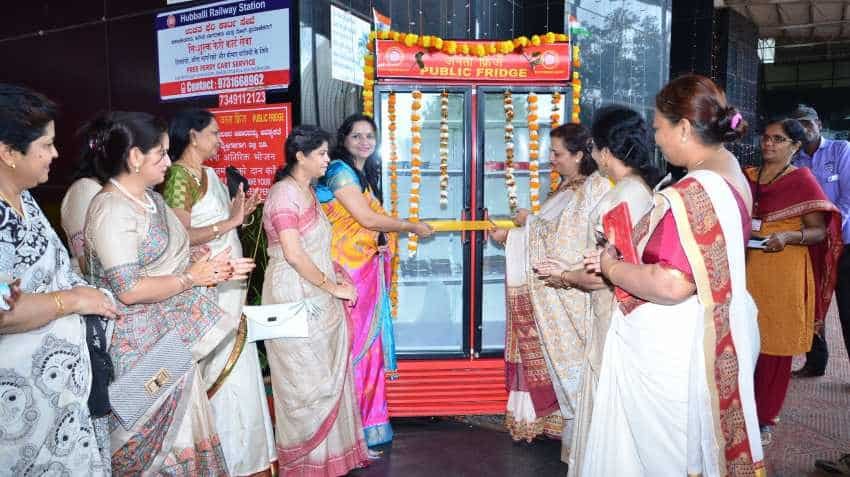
{"x": 485, "y": 214}
{"x": 464, "y": 215}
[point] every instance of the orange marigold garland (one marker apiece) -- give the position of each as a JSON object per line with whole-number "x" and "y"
{"x": 510, "y": 180}
{"x": 415, "y": 165}
{"x": 576, "y": 85}
{"x": 369, "y": 80}
{"x": 391, "y": 101}
{"x": 555, "y": 118}
{"x": 533, "y": 153}
{"x": 393, "y": 154}
{"x": 444, "y": 149}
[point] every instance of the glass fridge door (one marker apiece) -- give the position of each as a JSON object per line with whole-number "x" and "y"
{"x": 491, "y": 113}
{"x": 431, "y": 305}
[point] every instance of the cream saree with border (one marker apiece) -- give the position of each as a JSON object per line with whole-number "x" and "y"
{"x": 638, "y": 197}
{"x": 562, "y": 317}
{"x": 237, "y": 392}
{"x": 318, "y": 427}
{"x": 176, "y": 434}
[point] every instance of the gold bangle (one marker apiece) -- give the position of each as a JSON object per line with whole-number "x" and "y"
{"x": 60, "y": 305}
{"x": 216, "y": 231}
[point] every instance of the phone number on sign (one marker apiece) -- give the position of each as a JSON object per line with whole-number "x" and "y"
{"x": 242, "y": 98}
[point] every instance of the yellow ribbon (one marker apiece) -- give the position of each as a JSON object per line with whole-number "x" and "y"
{"x": 469, "y": 225}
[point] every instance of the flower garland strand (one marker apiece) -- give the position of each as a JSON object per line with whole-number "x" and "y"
{"x": 555, "y": 121}
{"x": 533, "y": 153}
{"x": 576, "y": 85}
{"x": 394, "y": 262}
{"x": 393, "y": 155}
{"x": 415, "y": 171}
{"x": 510, "y": 180}
{"x": 444, "y": 149}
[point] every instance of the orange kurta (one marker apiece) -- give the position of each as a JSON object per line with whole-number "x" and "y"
{"x": 783, "y": 286}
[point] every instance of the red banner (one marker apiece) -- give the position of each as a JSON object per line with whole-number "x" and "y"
{"x": 252, "y": 141}
{"x": 549, "y": 62}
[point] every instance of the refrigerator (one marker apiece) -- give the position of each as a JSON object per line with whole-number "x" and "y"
{"x": 450, "y": 328}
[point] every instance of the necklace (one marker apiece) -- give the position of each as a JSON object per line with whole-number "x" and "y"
{"x": 195, "y": 177}
{"x": 758, "y": 184}
{"x": 150, "y": 206}
{"x": 17, "y": 211}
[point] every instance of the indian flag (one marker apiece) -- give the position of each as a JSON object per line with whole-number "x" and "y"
{"x": 382, "y": 22}
{"x": 576, "y": 28}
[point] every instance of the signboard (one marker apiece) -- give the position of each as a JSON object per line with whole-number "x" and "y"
{"x": 349, "y": 36}
{"x": 252, "y": 141}
{"x": 549, "y": 62}
{"x": 223, "y": 47}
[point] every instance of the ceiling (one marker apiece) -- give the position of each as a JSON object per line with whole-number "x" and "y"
{"x": 815, "y": 28}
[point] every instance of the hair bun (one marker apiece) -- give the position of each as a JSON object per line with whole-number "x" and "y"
{"x": 731, "y": 125}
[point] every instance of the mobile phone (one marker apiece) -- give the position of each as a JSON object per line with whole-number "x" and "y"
{"x": 601, "y": 239}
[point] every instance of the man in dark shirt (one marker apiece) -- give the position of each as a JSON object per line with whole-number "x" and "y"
{"x": 829, "y": 161}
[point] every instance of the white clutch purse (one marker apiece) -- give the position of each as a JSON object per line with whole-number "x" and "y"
{"x": 282, "y": 320}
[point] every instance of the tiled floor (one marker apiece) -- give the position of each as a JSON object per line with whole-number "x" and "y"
{"x": 442, "y": 448}
{"x": 815, "y": 423}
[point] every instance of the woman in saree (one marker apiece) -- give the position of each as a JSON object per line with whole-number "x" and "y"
{"x": 675, "y": 393}
{"x": 548, "y": 315}
{"x": 622, "y": 150}
{"x": 317, "y": 422}
{"x": 76, "y": 202}
{"x": 364, "y": 245}
{"x": 202, "y": 203}
{"x": 803, "y": 232}
{"x": 46, "y": 373}
{"x": 136, "y": 247}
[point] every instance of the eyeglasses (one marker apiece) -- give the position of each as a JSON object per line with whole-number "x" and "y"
{"x": 777, "y": 139}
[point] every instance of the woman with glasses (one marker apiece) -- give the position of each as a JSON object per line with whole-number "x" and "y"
{"x": 364, "y": 242}
{"x": 796, "y": 236}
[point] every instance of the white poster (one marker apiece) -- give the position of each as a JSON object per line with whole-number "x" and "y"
{"x": 349, "y": 36}
{"x": 223, "y": 47}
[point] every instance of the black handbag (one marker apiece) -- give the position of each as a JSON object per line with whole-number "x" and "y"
{"x": 234, "y": 178}
{"x": 102, "y": 370}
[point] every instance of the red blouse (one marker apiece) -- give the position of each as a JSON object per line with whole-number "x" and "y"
{"x": 665, "y": 248}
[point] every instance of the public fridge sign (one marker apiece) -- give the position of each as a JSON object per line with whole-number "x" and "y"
{"x": 223, "y": 47}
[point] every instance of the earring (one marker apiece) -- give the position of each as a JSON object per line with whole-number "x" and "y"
{"x": 138, "y": 169}
{"x": 684, "y": 139}
{"x": 13, "y": 165}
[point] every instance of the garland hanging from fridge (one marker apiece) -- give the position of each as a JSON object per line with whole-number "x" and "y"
{"x": 576, "y": 84}
{"x": 510, "y": 180}
{"x": 444, "y": 149}
{"x": 555, "y": 121}
{"x": 393, "y": 167}
{"x": 533, "y": 152}
{"x": 415, "y": 165}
